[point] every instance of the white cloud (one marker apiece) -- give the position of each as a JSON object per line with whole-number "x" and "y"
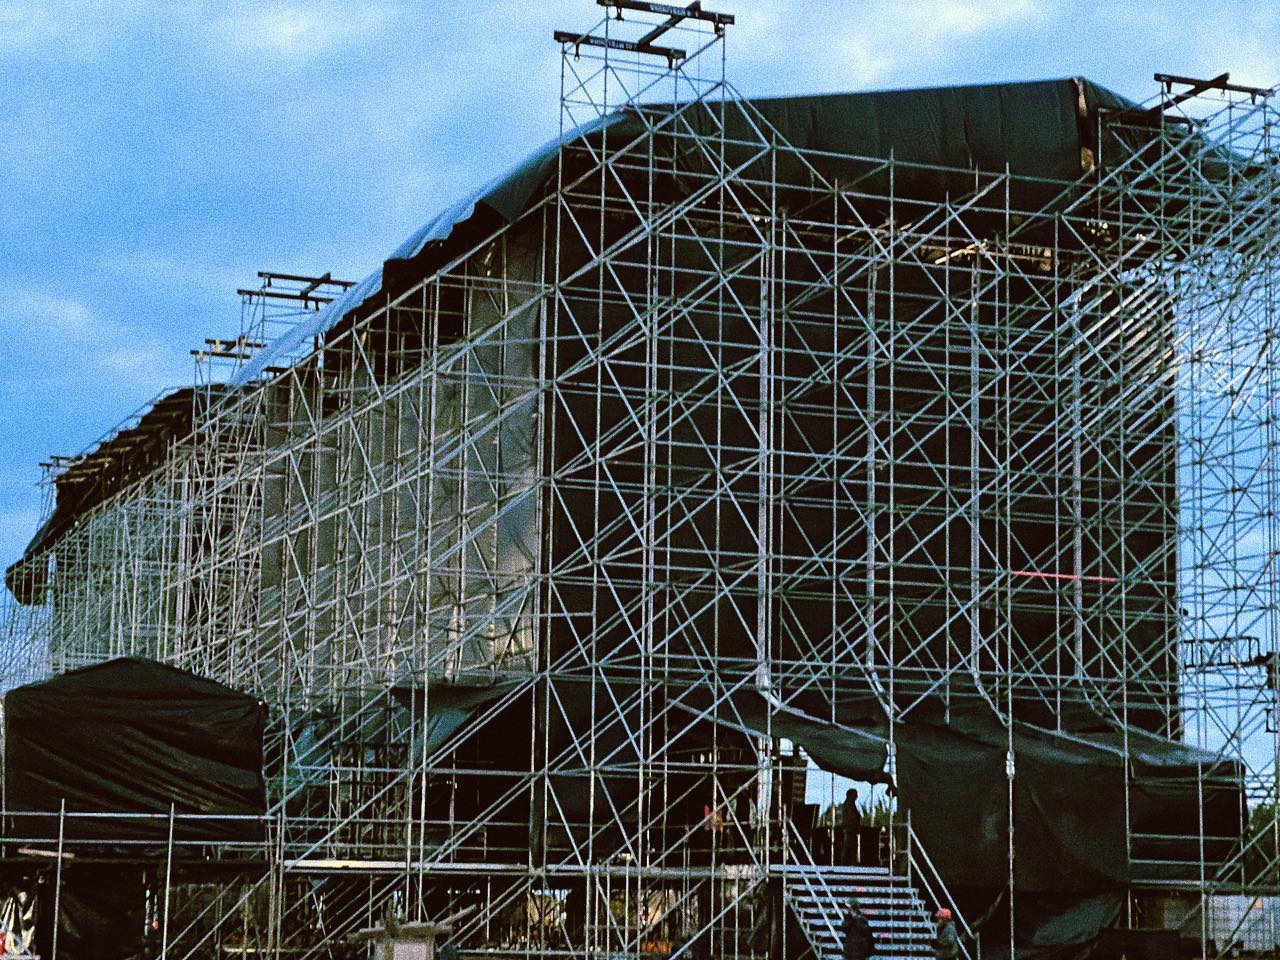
{"x": 66, "y": 341}
{"x": 71, "y": 31}
{"x": 47, "y": 315}
{"x": 941, "y": 20}
{"x": 67, "y": 30}
{"x": 296, "y": 32}
{"x": 866, "y": 43}
{"x": 923, "y": 28}
{"x": 27, "y": 27}
{"x": 191, "y": 277}
{"x": 1250, "y": 56}
{"x": 138, "y": 362}
{"x": 864, "y": 64}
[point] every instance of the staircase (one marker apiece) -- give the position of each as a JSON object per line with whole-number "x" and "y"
{"x": 819, "y": 896}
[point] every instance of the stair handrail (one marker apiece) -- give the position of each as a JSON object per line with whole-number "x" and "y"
{"x": 797, "y": 842}
{"x": 930, "y": 880}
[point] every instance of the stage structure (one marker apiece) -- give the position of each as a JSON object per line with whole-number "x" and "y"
{"x": 927, "y": 438}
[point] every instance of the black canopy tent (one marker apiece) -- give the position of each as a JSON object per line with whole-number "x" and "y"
{"x": 133, "y": 736}
{"x": 127, "y": 737}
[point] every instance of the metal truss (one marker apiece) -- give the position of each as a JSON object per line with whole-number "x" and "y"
{"x": 708, "y": 419}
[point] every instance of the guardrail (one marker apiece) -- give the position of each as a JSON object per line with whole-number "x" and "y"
{"x": 796, "y": 844}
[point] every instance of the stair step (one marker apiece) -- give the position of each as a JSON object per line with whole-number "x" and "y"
{"x": 899, "y": 890}
{"x": 816, "y": 909}
{"x": 918, "y": 936}
{"x": 798, "y": 869}
{"x": 872, "y": 915}
{"x": 901, "y": 925}
{"x": 881, "y": 893}
{"x": 864, "y": 897}
{"x": 894, "y": 908}
{"x": 884, "y": 923}
{"x": 869, "y": 905}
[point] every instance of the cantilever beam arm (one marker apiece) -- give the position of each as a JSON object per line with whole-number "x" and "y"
{"x": 269, "y": 275}
{"x": 674, "y": 14}
{"x": 1152, "y": 115}
{"x": 609, "y": 43}
{"x": 677, "y": 13}
{"x": 284, "y": 295}
{"x": 1195, "y": 88}
{"x": 1220, "y": 82}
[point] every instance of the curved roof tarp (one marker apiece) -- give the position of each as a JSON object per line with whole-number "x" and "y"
{"x": 506, "y": 195}
{"x": 1032, "y": 129}
{"x": 127, "y": 456}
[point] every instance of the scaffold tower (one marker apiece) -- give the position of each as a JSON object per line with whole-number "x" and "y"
{"x": 727, "y": 454}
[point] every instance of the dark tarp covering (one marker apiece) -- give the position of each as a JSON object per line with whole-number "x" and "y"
{"x": 1071, "y": 867}
{"x": 1035, "y": 129}
{"x": 134, "y": 736}
{"x": 1050, "y": 927}
{"x": 100, "y": 913}
{"x": 1143, "y": 944}
{"x": 593, "y": 793}
{"x": 448, "y": 707}
{"x": 846, "y": 750}
{"x": 126, "y": 457}
{"x": 566, "y": 707}
{"x": 476, "y": 723}
{"x": 101, "y": 910}
{"x": 597, "y": 794}
{"x": 1069, "y": 800}
{"x": 1041, "y": 131}
{"x": 1059, "y": 929}
{"x": 952, "y": 779}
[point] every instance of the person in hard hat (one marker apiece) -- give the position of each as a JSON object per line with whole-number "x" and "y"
{"x": 859, "y": 941}
{"x": 946, "y": 942}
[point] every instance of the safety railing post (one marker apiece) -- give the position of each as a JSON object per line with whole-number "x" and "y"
{"x": 57, "y": 881}
{"x": 910, "y": 853}
{"x": 168, "y": 880}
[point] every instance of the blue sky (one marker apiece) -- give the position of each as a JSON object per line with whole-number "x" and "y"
{"x": 153, "y": 156}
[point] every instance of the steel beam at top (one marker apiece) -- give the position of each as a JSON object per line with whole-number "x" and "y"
{"x": 693, "y": 11}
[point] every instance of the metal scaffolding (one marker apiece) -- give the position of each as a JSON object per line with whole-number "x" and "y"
{"x": 706, "y": 419}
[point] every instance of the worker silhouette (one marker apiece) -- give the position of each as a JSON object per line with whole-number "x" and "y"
{"x": 850, "y": 826}
{"x": 859, "y": 941}
{"x": 946, "y": 942}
